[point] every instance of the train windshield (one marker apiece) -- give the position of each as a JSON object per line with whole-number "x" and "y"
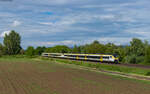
{"x": 116, "y": 56}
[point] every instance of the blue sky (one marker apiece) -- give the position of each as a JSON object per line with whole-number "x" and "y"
{"x": 69, "y": 22}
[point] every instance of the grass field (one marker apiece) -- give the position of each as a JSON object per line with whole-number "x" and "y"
{"x": 36, "y": 76}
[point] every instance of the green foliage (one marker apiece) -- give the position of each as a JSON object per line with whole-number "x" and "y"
{"x": 147, "y": 55}
{"x": 148, "y": 74}
{"x": 130, "y": 59}
{"x": 22, "y": 51}
{"x": 2, "y": 50}
{"x": 94, "y": 48}
{"x": 96, "y": 42}
{"x": 137, "y": 47}
{"x": 12, "y": 43}
{"x": 140, "y": 59}
{"x": 110, "y": 48}
{"x": 58, "y": 49}
{"x": 135, "y": 52}
{"x": 76, "y": 49}
{"x": 121, "y": 52}
{"x": 30, "y": 51}
{"x": 39, "y": 50}
{"x": 133, "y": 59}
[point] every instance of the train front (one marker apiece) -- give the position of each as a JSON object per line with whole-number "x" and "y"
{"x": 116, "y": 59}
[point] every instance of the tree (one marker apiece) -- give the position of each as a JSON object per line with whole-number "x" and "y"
{"x": 12, "y": 43}
{"x": 137, "y": 47}
{"x": 110, "y": 48}
{"x": 94, "y": 48}
{"x": 22, "y": 52}
{"x": 1, "y": 50}
{"x": 136, "y": 51}
{"x": 147, "y": 55}
{"x": 39, "y": 50}
{"x": 120, "y": 52}
{"x": 48, "y": 50}
{"x": 58, "y": 49}
{"x": 96, "y": 42}
{"x": 30, "y": 51}
{"x": 76, "y": 49}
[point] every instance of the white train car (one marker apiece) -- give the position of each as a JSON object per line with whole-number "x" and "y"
{"x": 89, "y": 57}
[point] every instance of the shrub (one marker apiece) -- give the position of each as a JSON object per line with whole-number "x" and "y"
{"x": 130, "y": 59}
{"x": 140, "y": 59}
{"x": 147, "y": 55}
{"x": 148, "y": 74}
{"x": 30, "y": 51}
{"x": 133, "y": 59}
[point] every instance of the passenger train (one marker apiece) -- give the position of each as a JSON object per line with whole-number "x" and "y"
{"x": 88, "y": 57}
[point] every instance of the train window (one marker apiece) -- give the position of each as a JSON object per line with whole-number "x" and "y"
{"x": 96, "y": 57}
{"x": 55, "y": 55}
{"x": 110, "y": 56}
{"x": 81, "y": 56}
{"x": 71, "y": 55}
{"x": 74, "y": 56}
{"x": 115, "y": 56}
{"x": 105, "y": 57}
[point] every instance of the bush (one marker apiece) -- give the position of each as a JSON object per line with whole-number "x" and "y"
{"x": 30, "y": 51}
{"x": 140, "y": 59}
{"x": 130, "y": 59}
{"x": 147, "y": 55}
{"x": 133, "y": 59}
{"x": 148, "y": 74}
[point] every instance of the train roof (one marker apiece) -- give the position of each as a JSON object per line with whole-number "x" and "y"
{"x": 81, "y": 54}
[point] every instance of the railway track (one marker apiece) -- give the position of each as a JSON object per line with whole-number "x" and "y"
{"x": 136, "y": 65}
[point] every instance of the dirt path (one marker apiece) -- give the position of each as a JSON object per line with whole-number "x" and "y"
{"x": 50, "y": 78}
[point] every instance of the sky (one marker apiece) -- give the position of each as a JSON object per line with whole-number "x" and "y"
{"x": 69, "y": 22}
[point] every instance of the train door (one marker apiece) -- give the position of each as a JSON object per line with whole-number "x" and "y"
{"x": 85, "y": 57}
{"x": 77, "y": 57}
{"x": 101, "y": 58}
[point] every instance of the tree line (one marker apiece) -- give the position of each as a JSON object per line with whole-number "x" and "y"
{"x": 137, "y": 51}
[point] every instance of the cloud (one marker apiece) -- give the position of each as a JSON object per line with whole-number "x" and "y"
{"x": 4, "y": 33}
{"x": 16, "y": 23}
{"x": 52, "y": 43}
{"x": 106, "y": 16}
{"x": 115, "y": 40}
{"x": 65, "y": 42}
{"x": 71, "y": 43}
{"x": 51, "y": 22}
{"x": 46, "y": 23}
{"x": 142, "y": 32}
